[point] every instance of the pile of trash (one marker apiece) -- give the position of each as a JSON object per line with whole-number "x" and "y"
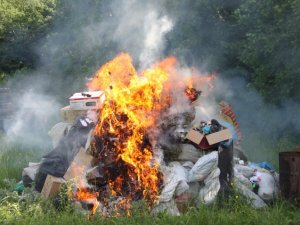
{"x": 200, "y": 162}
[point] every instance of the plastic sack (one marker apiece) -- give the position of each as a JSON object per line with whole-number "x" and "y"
{"x": 203, "y": 167}
{"x": 242, "y": 179}
{"x": 255, "y": 200}
{"x": 265, "y": 165}
{"x": 268, "y": 188}
{"x": 190, "y": 153}
{"x": 175, "y": 181}
{"x": 169, "y": 208}
{"x": 246, "y": 171}
{"x": 29, "y": 173}
{"x": 209, "y": 191}
{"x": 57, "y": 132}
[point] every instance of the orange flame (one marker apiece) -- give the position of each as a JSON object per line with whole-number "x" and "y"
{"x": 133, "y": 105}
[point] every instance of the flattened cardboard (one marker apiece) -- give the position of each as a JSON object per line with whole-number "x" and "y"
{"x": 206, "y": 141}
{"x": 194, "y": 136}
{"x": 69, "y": 115}
{"x": 218, "y": 136}
{"x": 51, "y": 186}
{"x": 81, "y": 163}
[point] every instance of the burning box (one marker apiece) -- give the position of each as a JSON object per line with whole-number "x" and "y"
{"x": 51, "y": 186}
{"x": 69, "y": 115}
{"x": 87, "y": 100}
{"x": 206, "y": 141}
{"x": 81, "y": 163}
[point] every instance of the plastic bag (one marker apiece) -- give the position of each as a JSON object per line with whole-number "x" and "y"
{"x": 203, "y": 167}
{"x": 175, "y": 181}
{"x": 242, "y": 179}
{"x": 29, "y": 173}
{"x": 57, "y": 132}
{"x": 268, "y": 188}
{"x": 190, "y": 153}
{"x": 209, "y": 191}
{"x": 255, "y": 200}
{"x": 167, "y": 207}
{"x": 246, "y": 171}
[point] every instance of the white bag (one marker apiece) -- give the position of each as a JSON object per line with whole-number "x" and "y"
{"x": 175, "y": 181}
{"x": 268, "y": 188}
{"x": 242, "y": 179}
{"x": 190, "y": 153}
{"x": 203, "y": 167}
{"x": 57, "y": 132}
{"x": 209, "y": 191}
{"x": 167, "y": 207}
{"x": 246, "y": 171}
{"x": 255, "y": 200}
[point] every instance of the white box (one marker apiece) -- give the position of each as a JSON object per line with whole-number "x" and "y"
{"x": 87, "y": 100}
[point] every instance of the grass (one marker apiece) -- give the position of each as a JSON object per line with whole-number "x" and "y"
{"x": 13, "y": 158}
{"x": 36, "y": 211}
{"x": 29, "y": 208}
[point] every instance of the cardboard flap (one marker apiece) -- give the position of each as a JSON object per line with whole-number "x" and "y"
{"x": 219, "y": 136}
{"x": 194, "y": 136}
{"x": 82, "y": 162}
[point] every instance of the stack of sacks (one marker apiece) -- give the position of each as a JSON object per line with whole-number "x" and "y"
{"x": 265, "y": 181}
{"x": 187, "y": 181}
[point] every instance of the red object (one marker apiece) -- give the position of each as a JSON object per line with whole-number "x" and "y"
{"x": 204, "y": 144}
{"x": 227, "y": 110}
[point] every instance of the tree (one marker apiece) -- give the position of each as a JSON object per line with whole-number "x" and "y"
{"x": 23, "y": 22}
{"x": 269, "y": 48}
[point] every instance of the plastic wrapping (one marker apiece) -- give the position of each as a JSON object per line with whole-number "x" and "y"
{"x": 203, "y": 167}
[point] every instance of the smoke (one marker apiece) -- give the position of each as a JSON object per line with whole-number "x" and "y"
{"x": 30, "y": 121}
{"x": 155, "y": 29}
{"x": 264, "y": 127}
{"x": 84, "y": 35}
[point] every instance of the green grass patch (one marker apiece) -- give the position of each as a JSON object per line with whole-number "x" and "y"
{"x": 29, "y": 208}
{"x": 33, "y": 210}
{"x": 13, "y": 158}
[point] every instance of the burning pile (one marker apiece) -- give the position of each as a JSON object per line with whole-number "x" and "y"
{"x": 122, "y": 134}
{"x": 113, "y": 150}
{"x": 127, "y": 131}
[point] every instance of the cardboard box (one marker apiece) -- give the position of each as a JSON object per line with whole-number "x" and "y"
{"x": 206, "y": 141}
{"x": 194, "y": 136}
{"x": 51, "y": 186}
{"x": 69, "y": 115}
{"x": 81, "y": 163}
{"x": 87, "y": 100}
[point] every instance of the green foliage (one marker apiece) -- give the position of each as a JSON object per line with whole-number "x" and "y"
{"x": 32, "y": 210}
{"x": 23, "y": 22}
{"x": 270, "y": 47}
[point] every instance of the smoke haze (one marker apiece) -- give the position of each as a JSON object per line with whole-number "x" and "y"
{"x": 86, "y": 35}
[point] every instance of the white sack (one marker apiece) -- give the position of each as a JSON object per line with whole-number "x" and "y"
{"x": 255, "y": 200}
{"x": 57, "y": 132}
{"x": 167, "y": 207}
{"x": 242, "y": 179}
{"x": 193, "y": 190}
{"x": 31, "y": 170}
{"x": 268, "y": 188}
{"x": 175, "y": 181}
{"x": 209, "y": 191}
{"x": 190, "y": 153}
{"x": 246, "y": 171}
{"x": 203, "y": 167}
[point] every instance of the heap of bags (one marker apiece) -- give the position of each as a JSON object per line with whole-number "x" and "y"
{"x": 196, "y": 182}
